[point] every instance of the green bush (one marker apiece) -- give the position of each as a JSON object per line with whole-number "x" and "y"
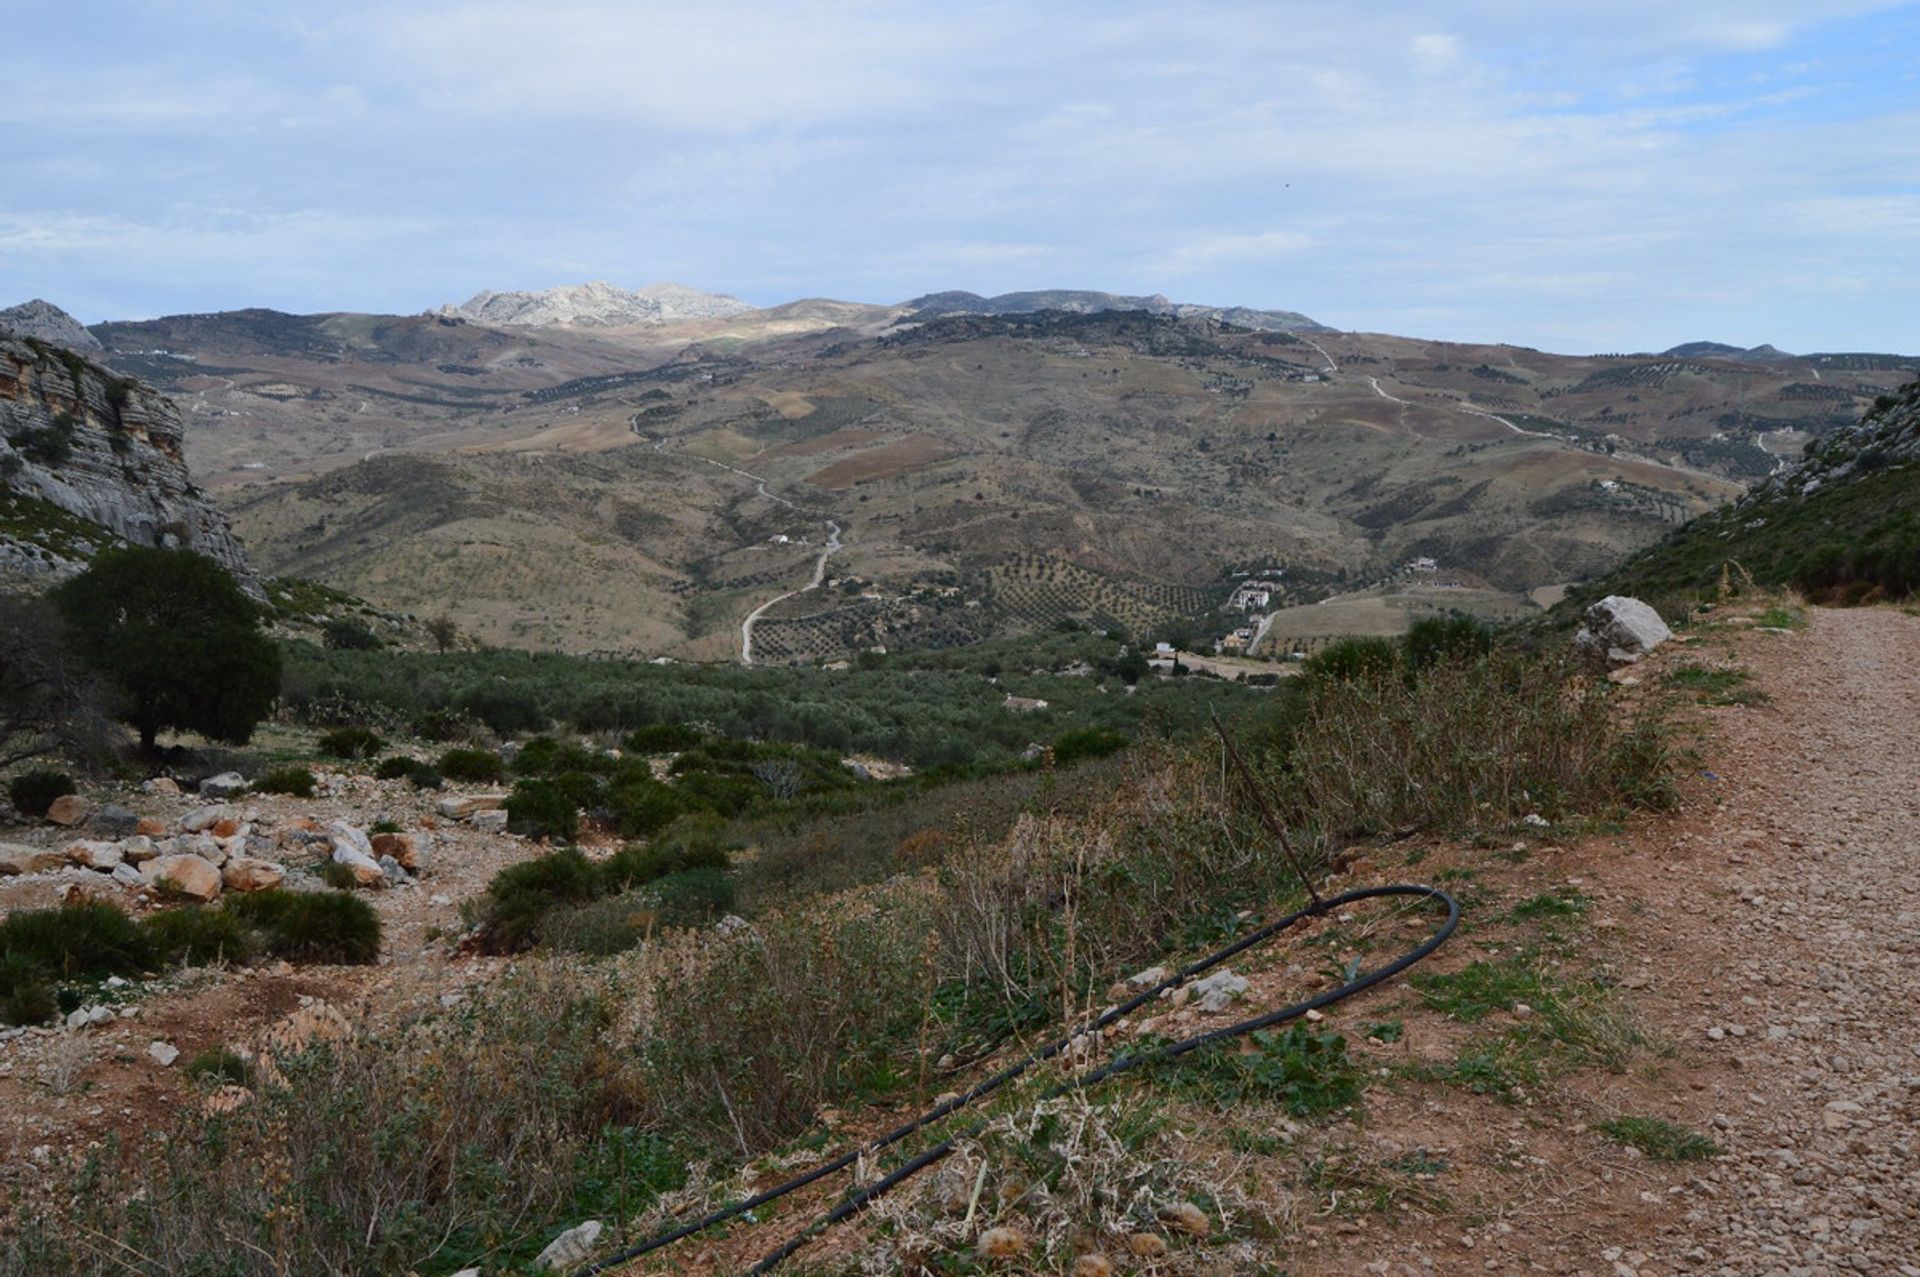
{"x": 33, "y": 791}
{"x": 297, "y": 781}
{"x": 1087, "y": 742}
{"x": 691, "y": 897}
{"x": 312, "y": 926}
{"x": 1347, "y": 659}
{"x": 196, "y": 935}
{"x": 471, "y": 766}
{"x": 336, "y": 875}
{"x": 663, "y": 738}
{"x": 26, "y": 996}
{"x": 86, "y": 939}
{"x": 542, "y": 809}
{"x": 219, "y": 1066}
{"x": 1446, "y": 638}
{"x": 640, "y": 806}
{"x": 521, "y": 895}
{"x": 351, "y": 743}
{"x": 423, "y": 776}
{"x": 394, "y": 767}
{"x": 344, "y": 634}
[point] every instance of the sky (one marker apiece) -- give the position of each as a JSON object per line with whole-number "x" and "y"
{"x": 1574, "y": 176}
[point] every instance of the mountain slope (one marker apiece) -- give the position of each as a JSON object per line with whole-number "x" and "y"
{"x": 1845, "y": 522}
{"x": 89, "y": 459}
{"x": 1085, "y": 302}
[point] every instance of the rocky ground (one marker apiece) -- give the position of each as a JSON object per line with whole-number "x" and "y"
{"x": 67, "y": 1089}
{"x": 1761, "y": 944}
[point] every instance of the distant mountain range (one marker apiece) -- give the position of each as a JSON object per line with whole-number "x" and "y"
{"x": 1720, "y": 350}
{"x": 596, "y": 305}
{"x": 1081, "y": 302}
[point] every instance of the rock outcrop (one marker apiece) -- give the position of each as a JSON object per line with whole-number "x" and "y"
{"x": 89, "y": 460}
{"x": 596, "y": 305}
{"x": 44, "y": 321}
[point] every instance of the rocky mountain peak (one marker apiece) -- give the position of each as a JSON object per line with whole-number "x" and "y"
{"x": 597, "y": 304}
{"x": 43, "y": 321}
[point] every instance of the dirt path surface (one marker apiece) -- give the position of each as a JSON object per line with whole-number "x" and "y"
{"x": 1808, "y": 958}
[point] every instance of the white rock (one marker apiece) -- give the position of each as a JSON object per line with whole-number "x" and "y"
{"x": 489, "y": 822}
{"x": 571, "y": 1247}
{"x": 201, "y": 819}
{"x": 225, "y": 785}
{"x": 190, "y": 875}
{"x": 1621, "y": 628}
{"x": 1218, "y": 991}
{"x": 17, "y": 858}
{"x": 350, "y": 835}
{"x": 127, "y": 876}
{"x": 1146, "y": 979}
{"x": 366, "y": 870}
{"x": 138, "y": 850}
{"x": 92, "y": 854}
{"x": 163, "y": 1053}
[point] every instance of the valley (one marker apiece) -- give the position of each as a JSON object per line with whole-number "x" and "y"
{"x": 992, "y": 472}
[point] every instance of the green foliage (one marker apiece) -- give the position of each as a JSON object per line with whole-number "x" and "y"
{"x": 26, "y": 994}
{"x": 521, "y": 895}
{"x": 219, "y": 1066}
{"x": 351, "y": 743}
{"x": 297, "y": 781}
{"x": 1456, "y": 637}
{"x": 472, "y": 766}
{"x": 336, "y": 875}
{"x": 49, "y": 446}
{"x": 174, "y": 632}
{"x": 663, "y": 738}
{"x": 198, "y": 935}
{"x": 1658, "y": 1139}
{"x": 543, "y": 809}
{"x": 1348, "y": 659}
{"x": 395, "y": 767}
{"x": 81, "y": 940}
{"x": 1087, "y": 742}
{"x": 1304, "y": 1072}
{"x": 1481, "y": 989}
{"x": 32, "y": 792}
{"x": 344, "y": 634}
{"x": 927, "y": 709}
{"x": 1715, "y": 686}
{"x": 312, "y": 926}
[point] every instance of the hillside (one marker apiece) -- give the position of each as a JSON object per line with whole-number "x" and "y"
{"x": 90, "y": 459}
{"x": 993, "y": 472}
{"x": 596, "y": 305}
{"x": 1844, "y": 522}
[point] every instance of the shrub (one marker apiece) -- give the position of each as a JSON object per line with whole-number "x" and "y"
{"x": 691, "y": 897}
{"x": 442, "y": 725}
{"x": 641, "y": 806}
{"x": 1455, "y": 637}
{"x": 312, "y": 926}
{"x": 82, "y": 939}
{"x": 542, "y": 809}
{"x": 1347, "y": 659}
{"x": 506, "y": 710}
{"x": 33, "y": 791}
{"x": 197, "y": 935}
{"x": 394, "y": 767}
{"x": 351, "y": 742}
{"x": 520, "y": 895}
{"x": 344, "y": 634}
{"x": 663, "y": 738}
{"x": 336, "y": 875}
{"x": 471, "y": 766}
{"x": 1087, "y": 742}
{"x": 423, "y": 776}
{"x": 26, "y": 996}
{"x": 297, "y": 781}
{"x": 1466, "y": 745}
{"x": 220, "y": 1066}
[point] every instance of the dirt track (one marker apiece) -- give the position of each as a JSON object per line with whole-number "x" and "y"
{"x": 1807, "y": 957}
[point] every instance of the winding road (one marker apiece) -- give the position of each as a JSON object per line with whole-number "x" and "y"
{"x": 760, "y": 485}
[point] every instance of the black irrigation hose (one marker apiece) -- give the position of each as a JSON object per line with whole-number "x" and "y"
{"x": 857, "y": 1201}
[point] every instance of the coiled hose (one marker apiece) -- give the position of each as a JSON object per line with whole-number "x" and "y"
{"x": 861, "y": 1198}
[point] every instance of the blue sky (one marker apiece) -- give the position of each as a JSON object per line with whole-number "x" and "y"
{"x": 1574, "y": 176}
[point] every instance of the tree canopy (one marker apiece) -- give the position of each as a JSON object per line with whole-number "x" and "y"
{"x": 180, "y": 640}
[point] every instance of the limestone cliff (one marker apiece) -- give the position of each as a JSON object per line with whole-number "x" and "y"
{"x": 89, "y": 459}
